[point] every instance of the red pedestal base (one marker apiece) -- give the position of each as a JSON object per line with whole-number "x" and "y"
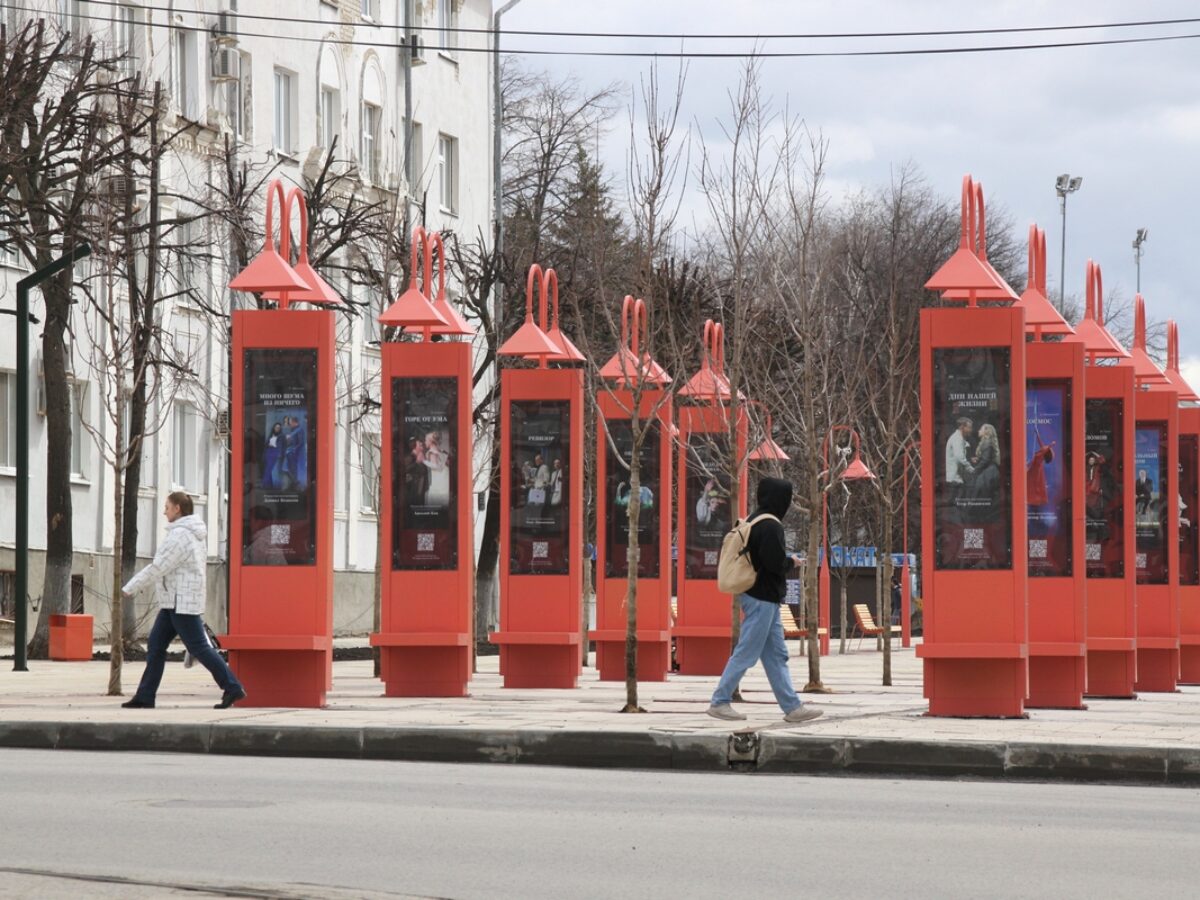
{"x": 976, "y": 688}
{"x": 653, "y": 659}
{"x": 423, "y": 671}
{"x": 552, "y": 663}
{"x": 1111, "y": 673}
{"x": 290, "y": 678}
{"x": 1056, "y": 682}
{"x": 701, "y": 655}
{"x": 1157, "y": 670}
{"x": 1189, "y": 663}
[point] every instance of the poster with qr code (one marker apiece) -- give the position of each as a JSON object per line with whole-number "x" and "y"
{"x": 618, "y": 453}
{"x": 1151, "y": 501}
{"x": 706, "y": 499}
{"x": 424, "y": 473}
{"x": 973, "y": 459}
{"x": 1189, "y": 503}
{"x": 279, "y": 457}
{"x": 539, "y": 487}
{"x": 1048, "y": 499}
{"x": 1103, "y": 487}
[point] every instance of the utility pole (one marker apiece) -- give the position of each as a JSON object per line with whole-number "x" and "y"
{"x": 1064, "y": 185}
{"x": 21, "y": 622}
{"x": 498, "y": 184}
{"x": 1142, "y": 234}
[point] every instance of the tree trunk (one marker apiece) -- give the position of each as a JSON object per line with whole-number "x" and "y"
{"x": 56, "y": 584}
{"x": 115, "y": 630}
{"x": 487, "y": 573}
{"x": 128, "y": 524}
{"x": 886, "y": 615}
{"x": 811, "y": 601}
{"x": 632, "y": 554}
{"x": 842, "y": 623}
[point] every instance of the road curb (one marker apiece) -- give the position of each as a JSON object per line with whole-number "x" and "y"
{"x": 766, "y": 751}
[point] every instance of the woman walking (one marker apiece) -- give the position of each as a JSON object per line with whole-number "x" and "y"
{"x": 177, "y": 575}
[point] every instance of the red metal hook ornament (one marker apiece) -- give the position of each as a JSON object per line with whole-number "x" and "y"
{"x": 269, "y": 271}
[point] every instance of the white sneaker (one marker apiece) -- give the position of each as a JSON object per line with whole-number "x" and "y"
{"x": 725, "y": 711}
{"x": 803, "y": 714}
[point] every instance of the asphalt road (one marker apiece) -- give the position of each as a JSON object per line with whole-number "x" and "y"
{"x": 143, "y": 825}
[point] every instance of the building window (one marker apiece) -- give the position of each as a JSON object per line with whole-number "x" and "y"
{"x": 285, "y": 122}
{"x": 447, "y": 165}
{"x": 189, "y": 461}
{"x": 10, "y": 255}
{"x": 370, "y": 141}
{"x": 125, "y": 27}
{"x": 329, "y": 116}
{"x": 241, "y": 100}
{"x": 186, "y": 90}
{"x": 79, "y": 411}
{"x": 447, "y": 11}
{"x": 370, "y": 10}
{"x": 75, "y": 21}
{"x": 8, "y": 420}
{"x": 370, "y": 471}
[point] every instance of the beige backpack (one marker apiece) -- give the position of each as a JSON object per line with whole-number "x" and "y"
{"x": 735, "y": 571}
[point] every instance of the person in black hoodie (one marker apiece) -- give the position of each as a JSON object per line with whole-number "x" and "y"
{"x": 761, "y": 636}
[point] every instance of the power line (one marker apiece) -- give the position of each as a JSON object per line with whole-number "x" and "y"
{"x": 657, "y": 54}
{"x": 691, "y": 36}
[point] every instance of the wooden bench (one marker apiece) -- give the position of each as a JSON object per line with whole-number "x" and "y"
{"x": 792, "y": 629}
{"x": 864, "y": 624}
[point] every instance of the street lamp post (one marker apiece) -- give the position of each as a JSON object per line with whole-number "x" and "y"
{"x": 905, "y": 577}
{"x": 855, "y": 470}
{"x": 1064, "y": 185}
{"x": 1142, "y": 234}
{"x": 21, "y": 619}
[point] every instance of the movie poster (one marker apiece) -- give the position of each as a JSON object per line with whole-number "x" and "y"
{"x": 1103, "y": 480}
{"x": 1150, "y": 506}
{"x": 424, "y": 473}
{"x": 617, "y": 492}
{"x": 973, "y": 444}
{"x": 540, "y": 484}
{"x": 1047, "y": 477}
{"x": 279, "y": 457}
{"x": 1189, "y": 503}
{"x": 707, "y": 499}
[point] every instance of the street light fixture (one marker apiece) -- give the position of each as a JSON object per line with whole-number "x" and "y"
{"x": 1065, "y": 184}
{"x": 1142, "y": 234}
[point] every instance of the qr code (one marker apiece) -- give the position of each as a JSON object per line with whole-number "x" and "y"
{"x": 425, "y": 543}
{"x": 1141, "y": 560}
{"x": 541, "y": 549}
{"x": 1092, "y": 552}
{"x": 281, "y": 535}
{"x": 1037, "y": 549}
{"x": 972, "y": 538}
{"x": 711, "y": 557}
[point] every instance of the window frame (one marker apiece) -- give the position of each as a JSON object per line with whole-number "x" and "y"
{"x": 447, "y": 173}
{"x": 288, "y": 108}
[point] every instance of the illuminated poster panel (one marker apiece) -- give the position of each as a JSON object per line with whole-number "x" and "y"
{"x": 540, "y": 487}
{"x": 707, "y": 497}
{"x": 1150, "y": 504}
{"x": 424, "y": 473}
{"x": 1189, "y": 504}
{"x": 1047, "y": 477}
{"x": 1104, "y": 475}
{"x": 619, "y": 449}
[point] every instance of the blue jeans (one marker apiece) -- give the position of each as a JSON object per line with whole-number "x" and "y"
{"x": 761, "y": 637}
{"x": 191, "y": 631}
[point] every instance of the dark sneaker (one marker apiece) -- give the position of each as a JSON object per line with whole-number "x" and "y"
{"x": 803, "y": 714}
{"x": 725, "y": 711}
{"x": 135, "y": 703}
{"x": 230, "y": 697}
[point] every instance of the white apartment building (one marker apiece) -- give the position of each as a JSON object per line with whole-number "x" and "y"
{"x": 281, "y": 78}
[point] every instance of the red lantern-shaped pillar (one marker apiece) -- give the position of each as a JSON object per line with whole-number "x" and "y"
{"x": 631, "y": 376}
{"x": 973, "y": 487}
{"x": 427, "y": 508}
{"x": 281, "y": 498}
{"x": 1156, "y": 517}
{"x": 1189, "y": 509}
{"x": 1054, "y": 438}
{"x": 704, "y": 625}
{"x": 541, "y": 496}
{"x": 1108, "y": 505}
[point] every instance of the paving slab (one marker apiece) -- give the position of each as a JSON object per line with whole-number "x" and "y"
{"x": 866, "y": 728}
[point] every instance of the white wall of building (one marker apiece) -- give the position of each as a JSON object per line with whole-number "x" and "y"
{"x": 328, "y": 62}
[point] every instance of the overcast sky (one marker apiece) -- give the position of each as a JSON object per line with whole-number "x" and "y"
{"x": 1125, "y": 118}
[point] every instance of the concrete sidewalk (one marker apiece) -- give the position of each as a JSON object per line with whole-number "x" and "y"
{"x": 866, "y": 728}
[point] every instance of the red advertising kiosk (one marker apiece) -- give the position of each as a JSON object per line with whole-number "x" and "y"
{"x": 427, "y": 508}
{"x": 704, "y": 625}
{"x": 1156, "y": 517}
{"x": 1189, "y": 508}
{"x": 1054, "y": 436}
{"x": 973, "y": 515}
{"x": 1108, "y": 504}
{"x": 541, "y": 497}
{"x": 633, "y": 377}
{"x": 280, "y": 638}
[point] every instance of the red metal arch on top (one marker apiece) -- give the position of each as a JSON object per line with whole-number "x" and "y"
{"x": 269, "y": 271}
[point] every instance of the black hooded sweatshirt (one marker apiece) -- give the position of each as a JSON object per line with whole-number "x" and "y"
{"x": 768, "y": 553}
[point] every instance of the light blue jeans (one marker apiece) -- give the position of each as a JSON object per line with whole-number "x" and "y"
{"x": 761, "y": 637}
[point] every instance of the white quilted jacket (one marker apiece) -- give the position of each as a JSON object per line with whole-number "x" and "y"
{"x": 178, "y": 568}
